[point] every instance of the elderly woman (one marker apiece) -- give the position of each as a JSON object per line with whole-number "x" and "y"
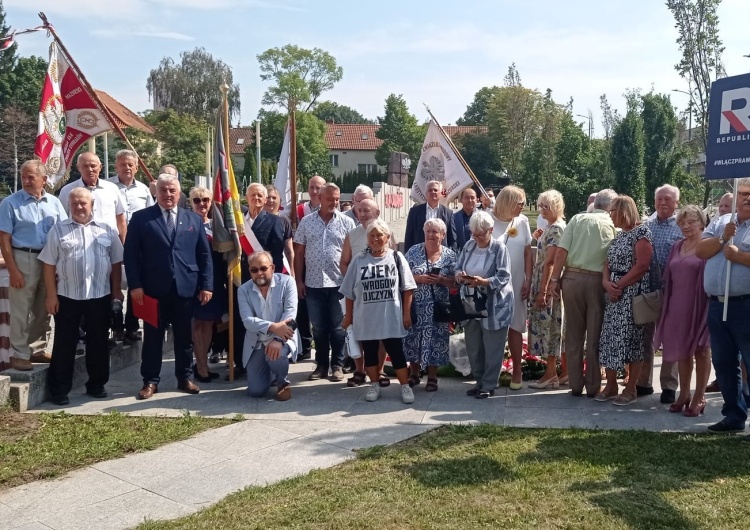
{"x": 683, "y": 328}
{"x": 484, "y": 264}
{"x": 378, "y": 287}
{"x": 512, "y": 228}
{"x": 545, "y": 312}
{"x": 624, "y": 277}
{"x": 205, "y": 316}
{"x": 433, "y": 266}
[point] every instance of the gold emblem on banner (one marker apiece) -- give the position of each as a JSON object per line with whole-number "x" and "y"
{"x": 87, "y": 120}
{"x": 53, "y": 118}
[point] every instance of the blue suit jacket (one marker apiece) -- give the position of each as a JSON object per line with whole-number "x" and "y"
{"x": 415, "y": 226}
{"x": 152, "y": 261}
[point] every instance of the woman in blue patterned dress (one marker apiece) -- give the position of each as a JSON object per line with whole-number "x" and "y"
{"x": 625, "y": 276}
{"x": 427, "y": 341}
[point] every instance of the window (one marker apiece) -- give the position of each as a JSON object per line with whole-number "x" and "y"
{"x": 339, "y": 133}
{"x": 334, "y": 160}
{"x": 240, "y": 141}
{"x": 367, "y": 169}
{"x": 365, "y": 136}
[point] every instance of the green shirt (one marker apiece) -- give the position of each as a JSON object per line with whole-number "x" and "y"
{"x": 587, "y": 238}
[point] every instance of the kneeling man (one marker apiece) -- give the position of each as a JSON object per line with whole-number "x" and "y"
{"x": 268, "y": 304}
{"x": 82, "y": 263}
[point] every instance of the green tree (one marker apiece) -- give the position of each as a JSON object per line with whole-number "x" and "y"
{"x": 17, "y": 136}
{"x": 700, "y": 64}
{"x": 572, "y": 154}
{"x": 8, "y": 61}
{"x": 183, "y": 139}
{"x": 399, "y": 130}
{"x": 627, "y": 157}
{"x": 192, "y": 86}
{"x": 476, "y": 148}
{"x": 476, "y": 112}
{"x": 663, "y": 155}
{"x": 28, "y": 79}
{"x": 312, "y": 150}
{"x": 330, "y": 111}
{"x": 298, "y": 75}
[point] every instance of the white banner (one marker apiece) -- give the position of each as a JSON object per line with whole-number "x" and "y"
{"x": 439, "y": 162}
{"x": 282, "y": 182}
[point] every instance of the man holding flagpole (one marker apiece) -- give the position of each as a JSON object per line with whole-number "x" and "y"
{"x": 730, "y": 339}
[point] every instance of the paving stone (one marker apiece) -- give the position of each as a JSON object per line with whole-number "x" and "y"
{"x": 4, "y": 389}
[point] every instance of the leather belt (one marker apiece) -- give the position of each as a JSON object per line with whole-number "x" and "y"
{"x": 730, "y": 298}
{"x": 26, "y": 249}
{"x": 582, "y": 271}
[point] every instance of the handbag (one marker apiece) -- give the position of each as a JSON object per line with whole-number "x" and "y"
{"x": 447, "y": 311}
{"x": 474, "y": 302}
{"x": 647, "y": 307}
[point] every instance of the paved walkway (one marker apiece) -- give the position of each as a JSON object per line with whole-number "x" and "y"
{"x": 319, "y": 427}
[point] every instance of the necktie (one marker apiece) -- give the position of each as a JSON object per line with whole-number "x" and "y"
{"x": 170, "y": 225}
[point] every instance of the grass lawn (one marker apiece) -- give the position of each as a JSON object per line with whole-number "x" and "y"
{"x": 495, "y": 477}
{"x": 38, "y": 446}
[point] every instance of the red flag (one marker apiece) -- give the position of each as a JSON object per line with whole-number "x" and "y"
{"x": 68, "y": 117}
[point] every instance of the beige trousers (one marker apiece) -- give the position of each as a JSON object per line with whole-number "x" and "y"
{"x": 29, "y": 321}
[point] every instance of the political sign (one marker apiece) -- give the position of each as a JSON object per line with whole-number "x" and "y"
{"x": 728, "y": 149}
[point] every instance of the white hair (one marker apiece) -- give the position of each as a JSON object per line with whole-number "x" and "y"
{"x": 603, "y": 198}
{"x": 166, "y": 178}
{"x": 125, "y": 153}
{"x": 380, "y": 225}
{"x": 436, "y": 223}
{"x": 481, "y": 222}
{"x": 674, "y": 190}
{"x": 363, "y": 191}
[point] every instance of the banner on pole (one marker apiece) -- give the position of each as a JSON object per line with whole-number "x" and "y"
{"x": 728, "y": 149}
{"x": 438, "y": 161}
{"x": 68, "y": 117}
{"x": 282, "y": 181}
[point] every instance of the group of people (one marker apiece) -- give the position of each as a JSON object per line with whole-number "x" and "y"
{"x": 339, "y": 280}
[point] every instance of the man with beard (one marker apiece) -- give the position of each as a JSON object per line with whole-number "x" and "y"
{"x": 267, "y": 305}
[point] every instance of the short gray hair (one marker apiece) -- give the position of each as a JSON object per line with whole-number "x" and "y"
{"x": 439, "y": 183}
{"x": 255, "y": 255}
{"x": 125, "y": 153}
{"x": 481, "y": 222}
{"x": 258, "y": 185}
{"x": 380, "y": 225}
{"x": 674, "y": 190}
{"x": 363, "y": 190}
{"x": 166, "y": 178}
{"x": 329, "y": 187}
{"x": 604, "y": 198}
{"x": 75, "y": 192}
{"x": 436, "y": 223}
{"x": 744, "y": 182}
{"x": 37, "y": 165}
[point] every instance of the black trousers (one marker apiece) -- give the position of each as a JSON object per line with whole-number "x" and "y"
{"x": 178, "y": 311}
{"x": 131, "y": 323}
{"x": 67, "y": 320}
{"x": 394, "y": 347}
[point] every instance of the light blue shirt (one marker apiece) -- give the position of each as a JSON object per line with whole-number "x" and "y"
{"x": 664, "y": 234}
{"x": 28, "y": 220}
{"x": 715, "y": 275}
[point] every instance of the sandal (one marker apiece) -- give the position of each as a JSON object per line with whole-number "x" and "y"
{"x": 432, "y": 385}
{"x": 384, "y": 380}
{"x": 357, "y": 379}
{"x": 414, "y": 380}
{"x": 626, "y": 398}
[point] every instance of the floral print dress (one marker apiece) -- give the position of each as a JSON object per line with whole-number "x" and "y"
{"x": 545, "y": 325}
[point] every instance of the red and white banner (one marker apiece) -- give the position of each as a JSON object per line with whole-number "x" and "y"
{"x": 68, "y": 117}
{"x": 282, "y": 182}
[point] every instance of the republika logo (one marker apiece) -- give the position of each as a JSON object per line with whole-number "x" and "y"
{"x": 735, "y": 120}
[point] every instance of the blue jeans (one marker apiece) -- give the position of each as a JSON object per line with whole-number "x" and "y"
{"x": 730, "y": 343}
{"x": 324, "y": 308}
{"x": 260, "y": 371}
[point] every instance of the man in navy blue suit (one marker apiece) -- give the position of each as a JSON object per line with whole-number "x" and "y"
{"x": 422, "y": 212}
{"x": 168, "y": 257}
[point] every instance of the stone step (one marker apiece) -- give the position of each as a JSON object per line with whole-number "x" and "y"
{"x": 4, "y": 389}
{"x": 28, "y": 388}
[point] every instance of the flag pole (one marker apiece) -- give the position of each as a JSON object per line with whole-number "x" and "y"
{"x": 293, "y": 164}
{"x": 103, "y": 108}
{"x": 729, "y": 263}
{"x": 230, "y": 280}
{"x": 456, "y": 152}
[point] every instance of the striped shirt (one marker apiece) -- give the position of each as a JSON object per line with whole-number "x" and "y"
{"x": 108, "y": 202}
{"x": 83, "y": 256}
{"x": 136, "y": 196}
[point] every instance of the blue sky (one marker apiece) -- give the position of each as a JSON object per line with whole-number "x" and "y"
{"x": 437, "y": 52}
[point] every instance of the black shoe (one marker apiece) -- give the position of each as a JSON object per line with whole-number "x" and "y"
{"x": 214, "y": 359}
{"x": 667, "y": 396}
{"x": 473, "y": 391}
{"x": 318, "y": 373}
{"x": 647, "y": 391}
{"x": 304, "y": 356}
{"x": 724, "y": 428}
{"x": 61, "y": 400}
{"x": 132, "y": 336}
{"x": 484, "y": 394}
{"x": 97, "y": 393}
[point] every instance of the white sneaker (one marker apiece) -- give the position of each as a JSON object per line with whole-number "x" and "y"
{"x": 373, "y": 393}
{"x": 407, "y": 394}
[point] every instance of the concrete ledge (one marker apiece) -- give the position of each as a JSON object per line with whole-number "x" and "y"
{"x": 4, "y": 389}
{"x": 29, "y": 388}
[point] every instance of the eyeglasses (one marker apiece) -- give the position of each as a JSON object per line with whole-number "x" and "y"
{"x": 692, "y": 222}
{"x": 543, "y": 206}
{"x": 743, "y": 194}
{"x": 480, "y": 234}
{"x": 256, "y": 270}
{"x": 199, "y": 200}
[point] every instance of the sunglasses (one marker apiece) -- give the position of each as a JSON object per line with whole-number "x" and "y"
{"x": 256, "y": 270}
{"x": 198, "y": 200}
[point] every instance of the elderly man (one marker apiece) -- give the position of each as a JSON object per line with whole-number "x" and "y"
{"x": 168, "y": 258}
{"x": 583, "y": 252}
{"x": 267, "y": 305}
{"x": 109, "y": 206}
{"x": 665, "y": 233}
{"x": 317, "y": 257}
{"x": 730, "y": 340}
{"x": 422, "y": 212}
{"x": 82, "y": 273}
{"x": 25, "y": 219}
{"x": 361, "y": 193}
{"x": 169, "y": 169}
{"x": 461, "y": 218}
{"x": 136, "y": 196}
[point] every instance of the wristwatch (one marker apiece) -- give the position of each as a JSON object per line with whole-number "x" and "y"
{"x": 277, "y": 339}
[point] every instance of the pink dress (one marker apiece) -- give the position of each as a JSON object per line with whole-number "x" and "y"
{"x": 683, "y": 327}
